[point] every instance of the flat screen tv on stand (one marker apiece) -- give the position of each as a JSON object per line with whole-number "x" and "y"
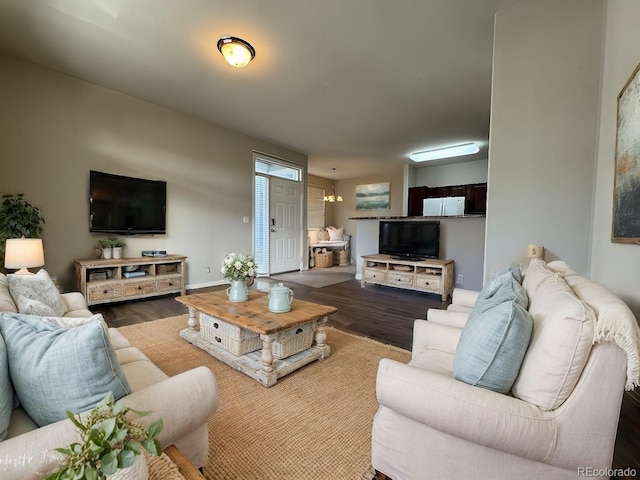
{"x": 409, "y": 240}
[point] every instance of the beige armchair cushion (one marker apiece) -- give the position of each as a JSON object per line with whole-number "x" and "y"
{"x": 563, "y": 327}
{"x": 6, "y": 301}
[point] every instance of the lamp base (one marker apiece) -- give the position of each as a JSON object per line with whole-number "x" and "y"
{"x": 23, "y": 271}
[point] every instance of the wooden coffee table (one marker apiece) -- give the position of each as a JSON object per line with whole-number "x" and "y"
{"x": 250, "y": 325}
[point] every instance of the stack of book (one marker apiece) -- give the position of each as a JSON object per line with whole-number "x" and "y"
{"x": 138, "y": 273}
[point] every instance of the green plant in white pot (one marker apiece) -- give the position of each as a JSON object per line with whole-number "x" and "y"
{"x": 109, "y": 441}
{"x": 117, "y": 244}
{"x": 105, "y": 246}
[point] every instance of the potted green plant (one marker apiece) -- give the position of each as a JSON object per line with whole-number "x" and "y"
{"x": 117, "y": 245}
{"x": 18, "y": 218}
{"x": 109, "y": 441}
{"x": 105, "y": 246}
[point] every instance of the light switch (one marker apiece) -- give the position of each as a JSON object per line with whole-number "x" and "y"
{"x": 245, "y": 219}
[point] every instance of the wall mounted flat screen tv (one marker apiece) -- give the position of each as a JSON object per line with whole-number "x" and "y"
{"x": 410, "y": 240}
{"x": 126, "y": 205}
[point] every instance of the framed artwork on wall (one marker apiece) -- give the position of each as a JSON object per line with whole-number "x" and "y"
{"x": 374, "y": 196}
{"x": 626, "y": 188}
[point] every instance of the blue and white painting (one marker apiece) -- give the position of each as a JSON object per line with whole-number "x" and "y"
{"x": 374, "y": 196}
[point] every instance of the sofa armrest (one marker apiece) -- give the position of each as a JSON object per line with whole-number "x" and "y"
{"x": 464, "y": 298}
{"x": 474, "y": 414}
{"x": 184, "y": 402}
{"x": 447, "y": 317}
{"x": 74, "y": 301}
{"x": 434, "y": 336}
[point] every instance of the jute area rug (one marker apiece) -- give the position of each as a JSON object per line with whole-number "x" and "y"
{"x": 315, "y": 423}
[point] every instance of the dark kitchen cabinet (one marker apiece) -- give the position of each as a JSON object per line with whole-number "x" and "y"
{"x": 475, "y": 197}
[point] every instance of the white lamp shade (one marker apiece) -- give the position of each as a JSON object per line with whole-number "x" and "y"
{"x": 23, "y": 253}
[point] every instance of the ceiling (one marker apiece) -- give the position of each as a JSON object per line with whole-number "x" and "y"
{"x": 354, "y": 84}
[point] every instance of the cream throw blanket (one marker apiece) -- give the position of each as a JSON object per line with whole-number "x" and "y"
{"x": 615, "y": 322}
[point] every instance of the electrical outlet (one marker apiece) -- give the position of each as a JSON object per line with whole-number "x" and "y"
{"x": 459, "y": 279}
{"x": 208, "y": 269}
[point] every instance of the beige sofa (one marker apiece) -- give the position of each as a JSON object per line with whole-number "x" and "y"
{"x": 431, "y": 426}
{"x": 185, "y": 402}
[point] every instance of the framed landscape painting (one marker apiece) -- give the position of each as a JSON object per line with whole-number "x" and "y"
{"x": 626, "y": 189}
{"x": 374, "y": 196}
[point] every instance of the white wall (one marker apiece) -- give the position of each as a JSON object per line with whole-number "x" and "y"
{"x": 544, "y": 125}
{"x": 454, "y": 174}
{"x": 56, "y": 128}
{"x": 615, "y": 265}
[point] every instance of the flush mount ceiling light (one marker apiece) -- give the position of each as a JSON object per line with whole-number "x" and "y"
{"x": 333, "y": 197}
{"x": 445, "y": 152}
{"x": 236, "y": 51}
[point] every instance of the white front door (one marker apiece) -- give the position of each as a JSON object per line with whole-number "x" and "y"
{"x": 285, "y": 225}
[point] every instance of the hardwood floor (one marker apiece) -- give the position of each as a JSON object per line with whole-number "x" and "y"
{"x": 384, "y": 314}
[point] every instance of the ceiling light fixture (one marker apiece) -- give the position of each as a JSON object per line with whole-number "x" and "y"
{"x": 445, "y": 152}
{"x": 236, "y": 52}
{"x": 332, "y": 197}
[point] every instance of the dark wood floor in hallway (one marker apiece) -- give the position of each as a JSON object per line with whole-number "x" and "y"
{"x": 385, "y": 314}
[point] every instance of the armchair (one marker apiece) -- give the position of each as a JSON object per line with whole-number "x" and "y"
{"x": 430, "y": 425}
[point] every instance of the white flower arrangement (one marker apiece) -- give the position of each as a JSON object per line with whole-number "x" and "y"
{"x": 238, "y": 266}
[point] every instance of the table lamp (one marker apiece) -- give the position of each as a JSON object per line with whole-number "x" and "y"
{"x": 23, "y": 253}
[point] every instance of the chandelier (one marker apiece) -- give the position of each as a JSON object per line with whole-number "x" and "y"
{"x": 333, "y": 197}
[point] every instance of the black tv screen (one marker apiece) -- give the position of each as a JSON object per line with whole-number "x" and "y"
{"x": 412, "y": 240}
{"x": 126, "y": 205}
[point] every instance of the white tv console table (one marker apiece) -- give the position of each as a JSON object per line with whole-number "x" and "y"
{"x": 430, "y": 275}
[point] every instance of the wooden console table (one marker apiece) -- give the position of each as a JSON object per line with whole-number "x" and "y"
{"x": 238, "y": 325}
{"x": 117, "y": 280}
{"x": 430, "y": 275}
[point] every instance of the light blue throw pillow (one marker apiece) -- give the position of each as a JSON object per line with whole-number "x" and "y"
{"x": 495, "y": 338}
{"x": 6, "y": 391}
{"x": 57, "y": 369}
{"x": 497, "y": 280}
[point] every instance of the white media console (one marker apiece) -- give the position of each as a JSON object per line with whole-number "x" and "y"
{"x": 430, "y": 275}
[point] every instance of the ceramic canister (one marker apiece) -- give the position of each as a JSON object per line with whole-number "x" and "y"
{"x": 280, "y": 298}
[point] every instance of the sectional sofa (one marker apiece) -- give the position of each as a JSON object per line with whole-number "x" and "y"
{"x": 185, "y": 402}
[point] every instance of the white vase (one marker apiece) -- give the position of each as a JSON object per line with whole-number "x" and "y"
{"x": 106, "y": 253}
{"x": 238, "y": 291}
{"x": 117, "y": 252}
{"x": 137, "y": 471}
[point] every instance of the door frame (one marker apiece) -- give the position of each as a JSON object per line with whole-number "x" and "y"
{"x": 258, "y": 155}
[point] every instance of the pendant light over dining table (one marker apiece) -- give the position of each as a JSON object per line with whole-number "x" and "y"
{"x": 333, "y": 197}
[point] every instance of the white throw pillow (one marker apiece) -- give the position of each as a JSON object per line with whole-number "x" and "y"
{"x": 335, "y": 234}
{"x": 29, "y": 306}
{"x": 37, "y": 287}
{"x": 313, "y": 236}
